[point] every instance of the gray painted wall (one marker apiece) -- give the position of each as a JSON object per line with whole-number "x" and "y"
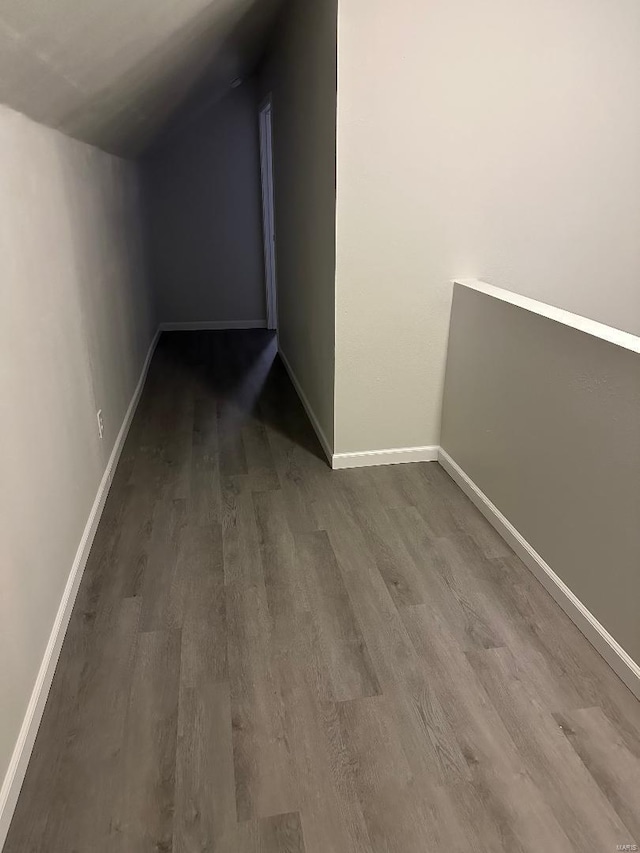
{"x": 544, "y": 419}
{"x": 75, "y": 327}
{"x": 300, "y": 72}
{"x": 203, "y": 195}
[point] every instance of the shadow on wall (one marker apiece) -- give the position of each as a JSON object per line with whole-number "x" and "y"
{"x": 203, "y": 199}
{"x": 111, "y": 285}
{"x": 162, "y": 81}
{"x": 240, "y": 370}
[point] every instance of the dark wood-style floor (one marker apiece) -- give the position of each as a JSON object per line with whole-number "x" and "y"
{"x": 266, "y": 655}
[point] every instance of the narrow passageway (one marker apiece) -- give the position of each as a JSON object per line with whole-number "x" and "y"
{"x": 266, "y": 655}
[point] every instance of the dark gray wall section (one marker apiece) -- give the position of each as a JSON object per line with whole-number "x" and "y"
{"x": 546, "y": 421}
{"x": 205, "y": 216}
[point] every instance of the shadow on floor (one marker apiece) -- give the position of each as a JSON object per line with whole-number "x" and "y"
{"x": 241, "y": 371}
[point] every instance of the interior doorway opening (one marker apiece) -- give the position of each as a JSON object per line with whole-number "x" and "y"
{"x": 268, "y": 212}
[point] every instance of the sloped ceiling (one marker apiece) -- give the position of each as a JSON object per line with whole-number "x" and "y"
{"x": 119, "y": 73}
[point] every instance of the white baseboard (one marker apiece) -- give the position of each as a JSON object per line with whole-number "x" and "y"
{"x": 208, "y": 325}
{"x": 315, "y": 423}
{"x": 22, "y": 752}
{"x": 393, "y": 456}
{"x": 625, "y": 667}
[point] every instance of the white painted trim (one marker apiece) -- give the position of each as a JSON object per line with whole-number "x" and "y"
{"x": 315, "y": 423}
{"x": 625, "y": 667}
{"x": 26, "y": 738}
{"x": 208, "y": 325}
{"x": 583, "y": 324}
{"x": 268, "y": 210}
{"x": 394, "y": 456}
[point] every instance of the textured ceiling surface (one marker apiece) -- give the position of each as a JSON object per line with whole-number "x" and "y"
{"x": 118, "y": 73}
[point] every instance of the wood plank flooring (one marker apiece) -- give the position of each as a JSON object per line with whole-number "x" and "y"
{"x": 266, "y": 655}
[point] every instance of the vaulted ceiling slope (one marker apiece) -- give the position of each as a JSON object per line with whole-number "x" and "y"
{"x": 116, "y": 73}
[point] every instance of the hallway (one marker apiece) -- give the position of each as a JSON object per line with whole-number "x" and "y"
{"x": 268, "y": 655}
